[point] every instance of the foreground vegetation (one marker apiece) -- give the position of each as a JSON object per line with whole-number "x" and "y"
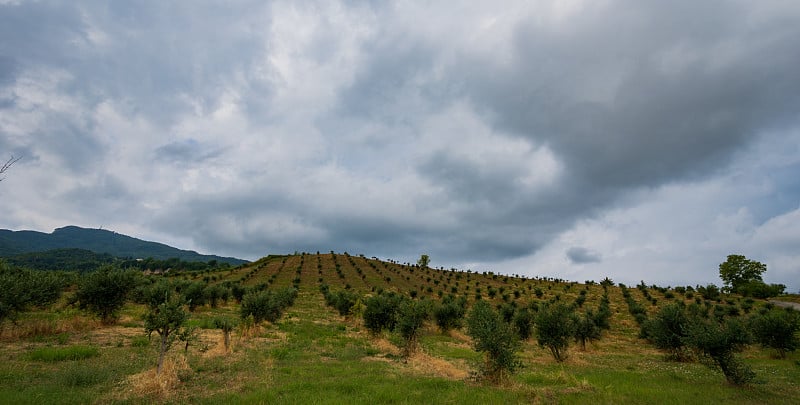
{"x": 307, "y": 328}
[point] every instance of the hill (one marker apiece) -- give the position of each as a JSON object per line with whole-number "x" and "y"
{"x": 313, "y": 354}
{"x": 98, "y": 241}
{"x": 80, "y": 260}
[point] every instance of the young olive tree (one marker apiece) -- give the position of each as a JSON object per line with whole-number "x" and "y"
{"x": 586, "y": 328}
{"x": 496, "y": 339}
{"x": 227, "y": 325}
{"x": 411, "y": 315}
{"x": 668, "y": 330}
{"x": 104, "y": 292}
{"x": 21, "y": 289}
{"x": 449, "y": 314}
{"x": 166, "y": 317}
{"x": 777, "y": 329}
{"x": 717, "y": 343}
{"x": 555, "y": 326}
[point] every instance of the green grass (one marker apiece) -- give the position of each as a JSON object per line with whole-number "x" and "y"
{"x": 53, "y": 354}
{"x": 312, "y": 355}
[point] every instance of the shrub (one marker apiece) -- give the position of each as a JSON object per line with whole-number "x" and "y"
{"x": 496, "y": 339}
{"x": 667, "y": 330}
{"x": 411, "y": 315}
{"x": 586, "y": 329}
{"x": 555, "y": 326}
{"x": 523, "y": 323}
{"x": 449, "y": 314}
{"x": 777, "y": 329}
{"x": 195, "y": 295}
{"x": 104, "y": 292}
{"x": 267, "y": 305}
{"x": 709, "y": 292}
{"x": 716, "y": 344}
{"x": 343, "y": 301}
{"x": 380, "y": 313}
{"x": 21, "y": 289}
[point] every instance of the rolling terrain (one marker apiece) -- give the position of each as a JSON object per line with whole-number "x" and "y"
{"x": 314, "y": 355}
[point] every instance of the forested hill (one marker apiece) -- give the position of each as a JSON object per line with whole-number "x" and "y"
{"x": 98, "y": 241}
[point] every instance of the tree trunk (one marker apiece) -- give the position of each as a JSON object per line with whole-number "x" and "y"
{"x": 161, "y": 353}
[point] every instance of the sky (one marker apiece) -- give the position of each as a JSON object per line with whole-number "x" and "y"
{"x": 636, "y": 140}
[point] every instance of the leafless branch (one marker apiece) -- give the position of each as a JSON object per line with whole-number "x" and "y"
{"x": 10, "y": 162}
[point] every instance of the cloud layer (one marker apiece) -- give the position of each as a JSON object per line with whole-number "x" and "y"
{"x": 567, "y": 138}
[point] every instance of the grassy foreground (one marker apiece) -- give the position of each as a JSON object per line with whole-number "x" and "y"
{"x": 312, "y": 355}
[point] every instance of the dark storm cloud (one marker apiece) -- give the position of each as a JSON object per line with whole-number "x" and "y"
{"x": 479, "y": 136}
{"x": 642, "y": 93}
{"x": 581, "y": 255}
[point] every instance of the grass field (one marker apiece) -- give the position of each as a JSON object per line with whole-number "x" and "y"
{"x": 313, "y": 355}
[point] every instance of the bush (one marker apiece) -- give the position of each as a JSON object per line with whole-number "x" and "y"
{"x": 555, "y": 326}
{"x": 716, "y": 344}
{"x": 21, "y": 289}
{"x": 523, "y": 323}
{"x": 267, "y": 305}
{"x": 496, "y": 339}
{"x": 777, "y": 329}
{"x": 586, "y": 328}
{"x": 343, "y": 301}
{"x": 195, "y": 295}
{"x": 380, "y": 313}
{"x": 104, "y": 292}
{"x": 709, "y": 292}
{"x": 411, "y": 315}
{"x": 759, "y": 289}
{"x": 449, "y": 314}
{"x": 667, "y": 330}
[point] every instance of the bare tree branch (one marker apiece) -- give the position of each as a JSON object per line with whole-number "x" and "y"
{"x": 10, "y": 162}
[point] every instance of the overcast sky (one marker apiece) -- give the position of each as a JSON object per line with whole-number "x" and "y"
{"x": 576, "y": 139}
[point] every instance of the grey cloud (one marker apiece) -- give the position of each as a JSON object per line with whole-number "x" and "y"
{"x": 581, "y": 255}
{"x": 626, "y": 95}
{"x": 652, "y": 126}
{"x": 188, "y": 151}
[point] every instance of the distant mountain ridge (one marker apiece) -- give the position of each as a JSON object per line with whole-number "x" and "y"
{"x": 99, "y": 241}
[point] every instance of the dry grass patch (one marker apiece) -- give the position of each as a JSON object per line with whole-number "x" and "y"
{"x": 384, "y": 346}
{"x": 156, "y": 387}
{"x": 425, "y": 364}
{"x": 46, "y": 327}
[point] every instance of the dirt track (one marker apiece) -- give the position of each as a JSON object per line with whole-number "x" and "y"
{"x": 784, "y": 304}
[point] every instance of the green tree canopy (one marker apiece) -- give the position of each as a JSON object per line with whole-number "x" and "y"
{"x": 104, "y": 291}
{"x": 424, "y": 261}
{"x": 738, "y": 271}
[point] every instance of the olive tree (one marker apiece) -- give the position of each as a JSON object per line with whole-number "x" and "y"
{"x": 496, "y": 338}
{"x": 104, "y": 292}
{"x": 166, "y": 317}
{"x": 668, "y": 330}
{"x": 716, "y": 343}
{"x": 411, "y": 315}
{"x": 555, "y": 326}
{"x": 21, "y": 289}
{"x": 777, "y": 329}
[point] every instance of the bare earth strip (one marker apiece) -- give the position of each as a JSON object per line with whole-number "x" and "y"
{"x": 784, "y": 304}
